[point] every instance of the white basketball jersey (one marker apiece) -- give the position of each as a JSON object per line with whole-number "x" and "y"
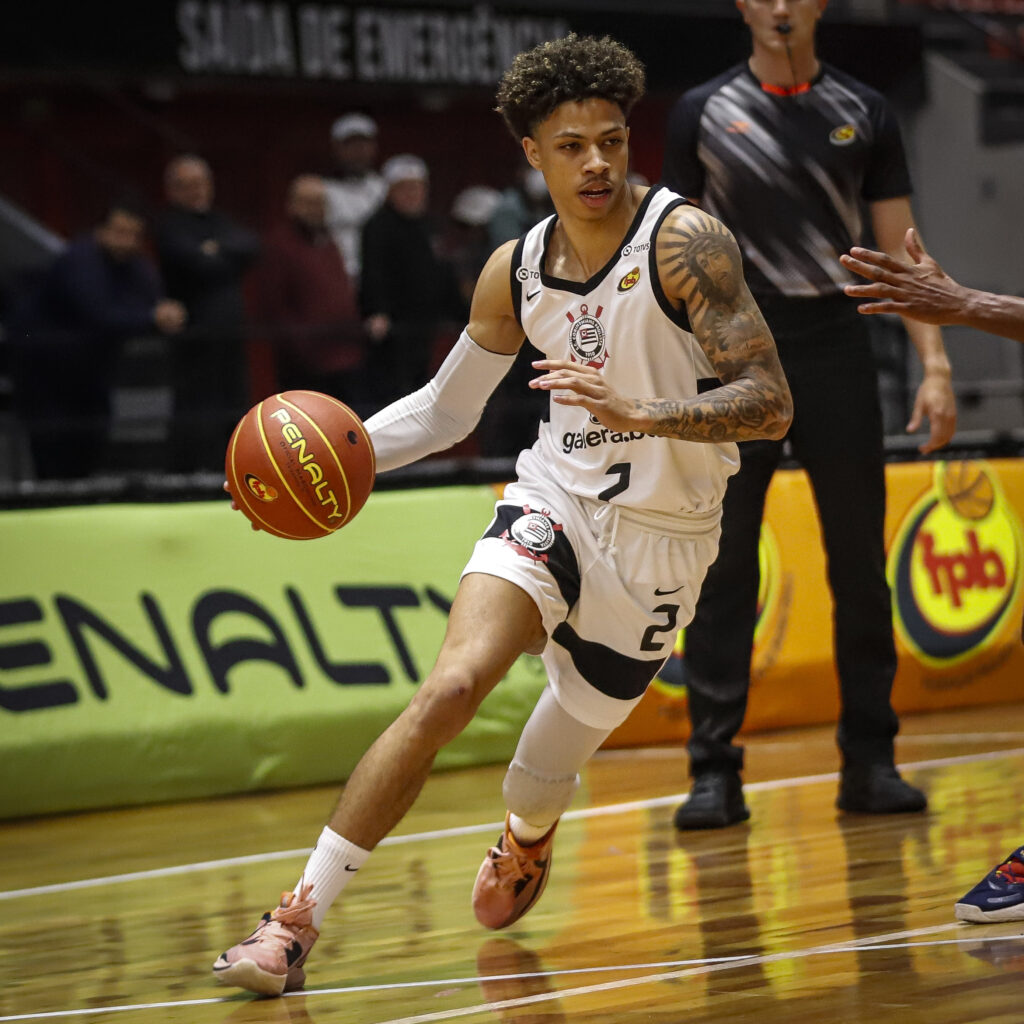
{"x": 622, "y": 323}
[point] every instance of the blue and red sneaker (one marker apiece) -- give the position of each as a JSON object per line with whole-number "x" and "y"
{"x": 999, "y": 896}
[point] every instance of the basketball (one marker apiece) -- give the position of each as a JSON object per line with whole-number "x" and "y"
{"x": 969, "y": 489}
{"x": 300, "y": 465}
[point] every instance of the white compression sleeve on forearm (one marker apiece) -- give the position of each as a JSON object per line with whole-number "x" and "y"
{"x": 443, "y": 411}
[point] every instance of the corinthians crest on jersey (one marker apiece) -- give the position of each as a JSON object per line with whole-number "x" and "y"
{"x": 587, "y": 337}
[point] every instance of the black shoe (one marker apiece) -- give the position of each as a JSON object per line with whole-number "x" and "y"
{"x": 878, "y": 789}
{"x": 715, "y": 801}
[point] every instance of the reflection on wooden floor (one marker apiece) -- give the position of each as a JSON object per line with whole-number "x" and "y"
{"x": 800, "y": 915}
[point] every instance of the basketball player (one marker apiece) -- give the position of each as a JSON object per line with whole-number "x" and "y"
{"x": 656, "y": 361}
{"x": 923, "y": 291}
{"x": 787, "y": 151}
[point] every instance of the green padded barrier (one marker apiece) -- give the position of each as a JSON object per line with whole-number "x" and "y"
{"x": 166, "y": 652}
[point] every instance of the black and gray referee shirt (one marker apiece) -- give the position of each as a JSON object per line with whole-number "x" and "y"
{"x": 788, "y": 171}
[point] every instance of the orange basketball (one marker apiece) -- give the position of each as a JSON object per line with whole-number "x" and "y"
{"x": 300, "y": 465}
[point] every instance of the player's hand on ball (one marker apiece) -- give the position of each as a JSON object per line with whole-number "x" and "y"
{"x": 586, "y": 388}
{"x": 235, "y": 507}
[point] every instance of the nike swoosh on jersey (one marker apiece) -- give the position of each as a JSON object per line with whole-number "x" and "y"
{"x": 532, "y": 295}
{"x": 662, "y": 593}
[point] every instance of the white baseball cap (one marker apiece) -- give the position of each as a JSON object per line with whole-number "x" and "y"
{"x": 349, "y": 126}
{"x": 404, "y": 167}
{"x": 475, "y": 205}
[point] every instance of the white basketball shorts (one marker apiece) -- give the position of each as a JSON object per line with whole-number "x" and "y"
{"x": 614, "y": 585}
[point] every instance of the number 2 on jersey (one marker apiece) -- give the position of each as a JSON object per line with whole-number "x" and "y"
{"x": 621, "y": 470}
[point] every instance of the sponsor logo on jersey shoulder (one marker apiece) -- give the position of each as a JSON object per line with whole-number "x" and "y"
{"x": 261, "y": 490}
{"x": 843, "y": 135}
{"x": 587, "y": 337}
{"x": 955, "y": 566}
{"x": 630, "y": 280}
{"x": 631, "y": 249}
{"x": 527, "y": 274}
{"x": 532, "y": 534}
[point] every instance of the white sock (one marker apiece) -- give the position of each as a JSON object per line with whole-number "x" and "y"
{"x": 331, "y": 866}
{"x": 525, "y": 833}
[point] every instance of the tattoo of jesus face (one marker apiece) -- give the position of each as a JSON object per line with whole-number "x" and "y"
{"x": 716, "y": 268}
{"x": 699, "y": 250}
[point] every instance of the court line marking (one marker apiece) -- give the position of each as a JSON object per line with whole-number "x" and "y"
{"x": 465, "y": 830}
{"x": 685, "y": 968}
{"x": 709, "y": 968}
{"x": 655, "y": 753}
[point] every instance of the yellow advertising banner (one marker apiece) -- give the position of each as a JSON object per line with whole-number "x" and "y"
{"x": 954, "y": 541}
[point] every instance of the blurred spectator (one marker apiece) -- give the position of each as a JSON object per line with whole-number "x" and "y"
{"x": 469, "y": 243}
{"x": 306, "y": 303}
{"x": 509, "y": 421}
{"x": 354, "y": 188}
{"x": 68, "y": 334}
{"x": 204, "y": 256}
{"x": 408, "y": 293}
{"x": 521, "y": 206}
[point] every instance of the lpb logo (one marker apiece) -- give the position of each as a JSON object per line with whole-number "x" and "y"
{"x": 954, "y": 566}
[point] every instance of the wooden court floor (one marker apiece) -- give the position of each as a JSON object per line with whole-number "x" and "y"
{"x": 800, "y": 915}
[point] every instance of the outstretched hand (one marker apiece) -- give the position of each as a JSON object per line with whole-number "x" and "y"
{"x": 584, "y": 386}
{"x": 921, "y": 290}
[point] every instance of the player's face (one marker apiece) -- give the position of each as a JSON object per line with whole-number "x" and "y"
{"x": 763, "y": 18}
{"x": 583, "y": 151}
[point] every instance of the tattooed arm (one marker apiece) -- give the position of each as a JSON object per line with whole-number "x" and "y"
{"x": 700, "y": 267}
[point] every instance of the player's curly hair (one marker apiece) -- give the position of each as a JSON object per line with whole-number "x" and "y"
{"x": 569, "y": 69}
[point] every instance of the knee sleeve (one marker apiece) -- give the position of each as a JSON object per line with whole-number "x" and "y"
{"x": 535, "y": 797}
{"x": 543, "y": 776}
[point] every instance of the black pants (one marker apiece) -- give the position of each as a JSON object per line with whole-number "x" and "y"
{"x": 836, "y": 435}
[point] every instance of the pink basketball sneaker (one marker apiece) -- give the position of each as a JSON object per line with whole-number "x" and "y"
{"x": 270, "y": 960}
{"x": 511, "y": 878}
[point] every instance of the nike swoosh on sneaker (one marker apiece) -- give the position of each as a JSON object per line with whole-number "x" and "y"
{"x": 293, "y": 952}
{"x": 348, "y": 867}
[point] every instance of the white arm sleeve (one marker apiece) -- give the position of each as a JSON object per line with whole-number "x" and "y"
{"x": 443, "y": 411}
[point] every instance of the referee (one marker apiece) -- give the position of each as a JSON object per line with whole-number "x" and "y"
{"x": 789, "y": 152}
